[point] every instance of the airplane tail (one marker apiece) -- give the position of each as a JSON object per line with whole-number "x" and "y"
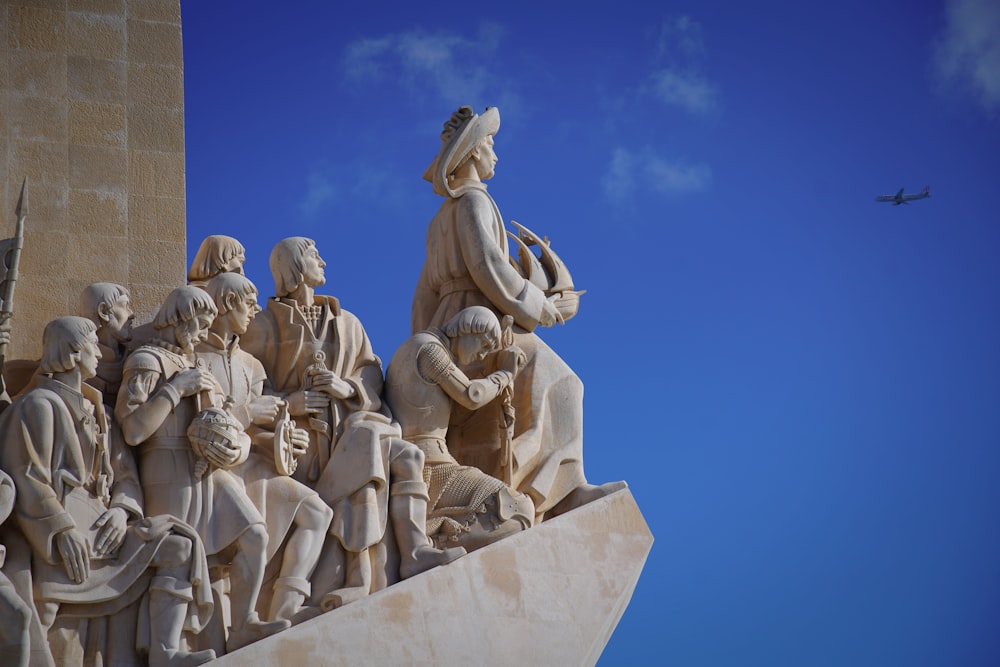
{"x": 927, "y": 191}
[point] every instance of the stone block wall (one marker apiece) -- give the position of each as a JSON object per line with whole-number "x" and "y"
{"x": 92, "y": 112}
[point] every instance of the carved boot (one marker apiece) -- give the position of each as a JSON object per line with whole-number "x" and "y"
{"x": 583, "y": 494}
{"x": 251, "y": 630}
{"x": 288, "y": 601}
{"x": 168, "y": 601}
{"x": 408, "y": 509}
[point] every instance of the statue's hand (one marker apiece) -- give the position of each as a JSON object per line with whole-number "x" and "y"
{"x": 567, "y": 303}
{"x": 331, "y": 384}
{"x": 300, "y": 441}
{"x": 264, "y": 409}
{"x": 72, "y": 548}
{"x": 511, "y": 359}
{"x": 550, "y": 314}
{"x": 111, "y": 531}
{"x": 308, "y": 401}
{"x": 191, "y": 381}
{"x": 222, "y": 454}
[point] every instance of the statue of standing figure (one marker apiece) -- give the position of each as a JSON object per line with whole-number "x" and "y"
{"x": 162, "y": 393}
{"x": 317, "y": 357}
{"x": 468, "y": 263}
{"x": 297, "y": 519}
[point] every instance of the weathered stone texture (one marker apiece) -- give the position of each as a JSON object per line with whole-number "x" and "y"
{"x": 92, "y": 112}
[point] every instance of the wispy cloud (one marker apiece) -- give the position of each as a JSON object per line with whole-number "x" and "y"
{"x": 320, "y": 191}
{"x": 686, "y": 90}
{"x": 447, "y": 64}
{"x": 967, "y": 54}
{"x": 680, "y": 36}
{"x": 678, "y": 80}
{"x": 632, "y": 171}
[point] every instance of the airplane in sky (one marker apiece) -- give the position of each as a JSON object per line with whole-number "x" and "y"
{"x": 900, "y": 198}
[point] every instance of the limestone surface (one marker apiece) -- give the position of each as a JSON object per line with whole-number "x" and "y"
{"x": 550, "y": 596}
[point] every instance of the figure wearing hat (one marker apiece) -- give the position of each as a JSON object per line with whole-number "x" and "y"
{"x": 468, "y": 263}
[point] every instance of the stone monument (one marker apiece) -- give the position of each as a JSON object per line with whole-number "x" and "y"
{"x": 92, "y": 113}
{"x": 230, "y": 484}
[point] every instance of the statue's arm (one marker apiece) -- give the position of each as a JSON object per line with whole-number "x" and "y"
{"x": 142, "y": 407}
{"x": 435, "y": 365}
{"x": 488, "y": 264}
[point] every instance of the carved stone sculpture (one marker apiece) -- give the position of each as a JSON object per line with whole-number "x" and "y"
{"x": 297, "y": 519}
{"x": 467, "y": 507}
{"x": 317, "y": 356}
{"x": 15, "y": 613}
{"x": 79, "y": 505}
{"x": 107, "y": 305}
{"x": 468, "y": 264}
{"x": 217, "y": 254}
{"x": 162, "y": 392}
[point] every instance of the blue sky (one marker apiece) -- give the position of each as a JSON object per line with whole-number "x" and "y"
{"x": 801, "y": 386}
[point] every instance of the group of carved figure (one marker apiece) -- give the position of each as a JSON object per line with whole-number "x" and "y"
{"x": 184, "y": 488}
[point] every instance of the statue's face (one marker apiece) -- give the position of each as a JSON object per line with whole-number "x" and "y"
{"x": 90, "y": 354}
{"x": 472, "y": 347}
{"x": 120, "y": 319}
{"x": 194, "y": 331}
{"x": 313, "y": 274}
{"x": 235, "y": 264}
{"x": 242, "y": 313}
{"x": 486, "y": 162}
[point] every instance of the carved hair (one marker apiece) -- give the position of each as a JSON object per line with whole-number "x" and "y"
{"x": 182, "y": 305}
{"x": 62, "y": 340}
{"x": 97, "y": 294}
{"x": 474, "y": 320}
{"x": 215, "y": 252}
{"x": 286, "y": 263}
{"x": 226, "y": 285}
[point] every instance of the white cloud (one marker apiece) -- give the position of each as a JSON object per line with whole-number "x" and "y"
{"x": 320, "y": 191}
{"x": 632, "y": 171}
{"x": 680, "y": 36}
{"x": 451, "y": 65}
{"x": 686, "y": 90}
{"x": 677, "y": 80}
{"x": 967, "y": 55}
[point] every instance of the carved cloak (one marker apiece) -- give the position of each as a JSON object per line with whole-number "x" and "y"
{"x": 468, "y": 264}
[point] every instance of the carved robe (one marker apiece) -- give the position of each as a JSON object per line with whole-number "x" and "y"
{"x": 67, "y": 474}
{"x": 349, "y": 449}
{"x": 241, "y": 379}
{"x": 216, "y": 505}
{"x": 468, "y": 264}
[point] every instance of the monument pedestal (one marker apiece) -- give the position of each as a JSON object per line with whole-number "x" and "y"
{"x": 551, "y": 595}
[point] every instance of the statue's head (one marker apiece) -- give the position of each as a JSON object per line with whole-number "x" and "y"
{"x": 107, "y": 305}
{"x": 217, "y": 254}
{"x": 233, "y": 293}
{"x": 189, "y": 312}
{"x": 474, "y": 332}
{"x": 295, "y": 261}
{"x": 465, "y": 137}
{"x": 68, "y": 342}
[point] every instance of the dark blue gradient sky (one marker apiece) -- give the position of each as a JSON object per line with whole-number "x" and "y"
{"x": 801, "y": 386}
